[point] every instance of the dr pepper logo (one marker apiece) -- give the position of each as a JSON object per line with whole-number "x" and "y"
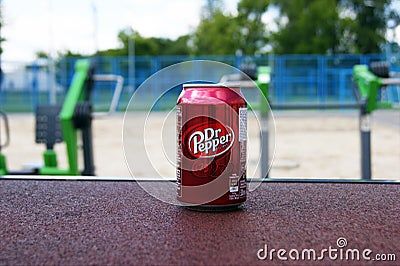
{"x": 210, "y": 139}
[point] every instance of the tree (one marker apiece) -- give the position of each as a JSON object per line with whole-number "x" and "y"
{"x": 221, "y": 34}
{"x": 142, "y": 45}
{"x": 217, "y": 35}
{"x": 180, "y": 46}
{"x": 42, "y": 54}
{"x": 332, "y": 26}
{"x": 366, "y": 23}
{"x": 307, "y": 26}
{"x": 148, "y": 46}
{"x": 252, "y": 31}
{"x": 211, "y": 7}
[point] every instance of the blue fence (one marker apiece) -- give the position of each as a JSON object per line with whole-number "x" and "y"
{"x": 295, "y": 78}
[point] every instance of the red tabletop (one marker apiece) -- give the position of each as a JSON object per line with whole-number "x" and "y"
{"x": 87, "y": 222}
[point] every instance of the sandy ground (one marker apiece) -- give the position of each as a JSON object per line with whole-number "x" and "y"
{"x": 307, "y": 144}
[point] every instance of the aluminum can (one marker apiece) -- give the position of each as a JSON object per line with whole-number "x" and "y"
{"x": 211, "y": 147}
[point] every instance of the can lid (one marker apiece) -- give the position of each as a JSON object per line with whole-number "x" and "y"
{"x": 210, "y": 85}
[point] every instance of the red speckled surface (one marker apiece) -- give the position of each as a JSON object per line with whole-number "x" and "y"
{"x": 75, "y": 223}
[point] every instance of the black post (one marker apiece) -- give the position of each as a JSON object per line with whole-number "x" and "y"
{"x": 83, "y": 120}
{"x": 88, "y": 151}
{"x": 264, "y": 145}
{"x": 365, "y": 133}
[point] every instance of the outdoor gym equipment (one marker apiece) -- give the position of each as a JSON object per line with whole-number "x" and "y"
{"x": 55, "y": 124}
{"x": 3, "y": 168}
{"x": 76, "y": 114}
{"x": 366, "y": 90}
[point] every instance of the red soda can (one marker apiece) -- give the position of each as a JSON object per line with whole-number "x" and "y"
{"x": 211, "y": 147}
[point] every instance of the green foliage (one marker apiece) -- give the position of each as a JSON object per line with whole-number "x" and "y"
{"x": 252, "y": 31}
{"x": 180, "y": 46}
{"x": 140, "y": 45}
{"x": 304, "y": 27}
{"x": 211, "y": 7}
{"x": 223, "y": 34}
{"x": 311, "y": 27}
{"x": 217, "y": 35}
{"x": 42, "y": 54}
{"x": 369, "y": 26}
{"x": 332, "y": 26}
{"x": 67, "y": 53}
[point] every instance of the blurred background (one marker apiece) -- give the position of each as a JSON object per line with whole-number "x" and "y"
{"x": 310, "y": 47}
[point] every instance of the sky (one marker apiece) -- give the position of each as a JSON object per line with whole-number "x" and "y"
{"x": 86, "y": 25}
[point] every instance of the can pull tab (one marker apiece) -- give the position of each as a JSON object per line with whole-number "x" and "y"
{"x": 4, "y": 142}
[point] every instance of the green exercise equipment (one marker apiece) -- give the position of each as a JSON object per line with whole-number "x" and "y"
{"x": 367, "y": 86}
{"x": 369, "y": 81}
{"x": 55, "y": 124}
{"x": 262, "y": 81}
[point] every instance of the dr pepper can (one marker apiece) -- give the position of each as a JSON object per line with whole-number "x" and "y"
{"x": 211, "y": 147}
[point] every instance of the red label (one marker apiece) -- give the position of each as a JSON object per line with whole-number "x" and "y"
{"x": 210, "y": 139}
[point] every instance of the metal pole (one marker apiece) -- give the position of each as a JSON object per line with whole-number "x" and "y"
{"x": 52, "y": 89}
{"x": 131, "y": 55}
{"x": 365, "y": 134}
{"x": 95, "y": 28}
{"x": 35, "y": 85}
{"x": 117, "y": 91}
{"x": 89, "y": 168}
{"x": 264, "y": 145}
{"x": 306, "y": 106}
{"x": 52, "y": 72}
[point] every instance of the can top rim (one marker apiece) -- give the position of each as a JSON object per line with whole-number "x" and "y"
{"x": 210, "y": 85}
